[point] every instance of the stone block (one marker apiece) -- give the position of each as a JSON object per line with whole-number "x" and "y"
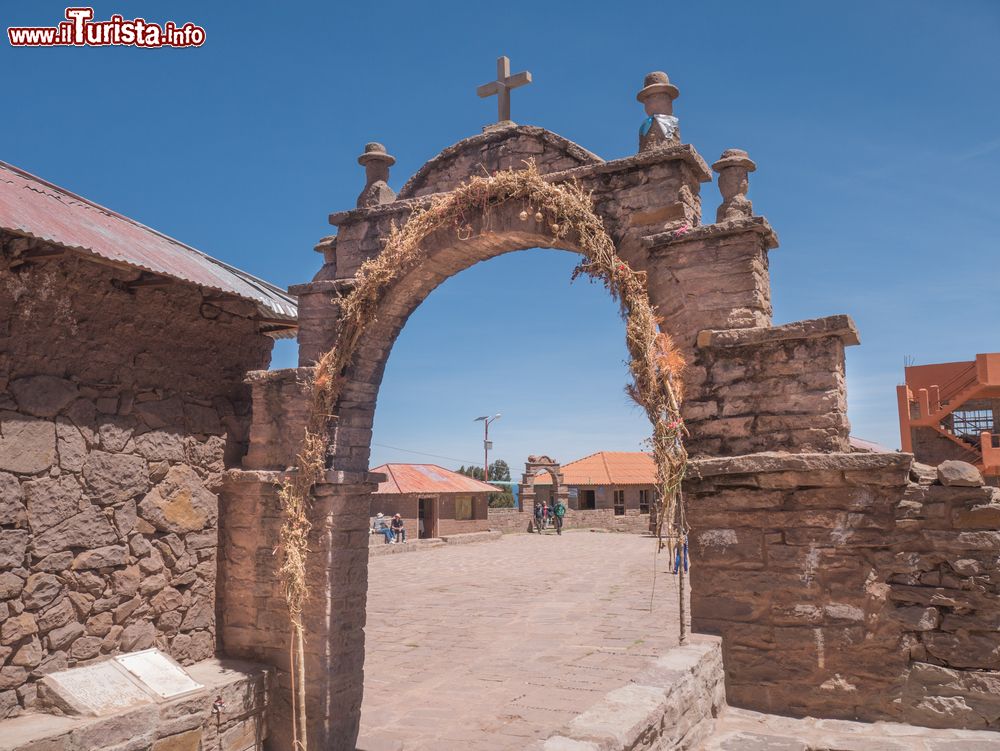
{"x": 17, "y": 627}
{"x": 12, "y": 511}
{"x": 114, "y": 478}
{"x": 27, "y": 444}
{"x": 180, "y": 503}
{"x": 40, "y": 590}
{"x": 43, "y": 395}
{"x": 72, "y": 445}
{"x": 130, "y": 726}
{"x": 978, "y": 517}
{"x": 13, "y": 545}
{"x": 245, "y": 734}
{"x": 953, "y": 473}
{"x": 87, "y": 529}
{"x": 51, "y": 500}
{"x": 161, "y": 445}
{"x": 187, "y": 741}
{"x": 917, "y": 618}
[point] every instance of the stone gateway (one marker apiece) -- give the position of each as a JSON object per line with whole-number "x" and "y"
{"x": 834, "y": 577}
{"x": 142, "y": 445}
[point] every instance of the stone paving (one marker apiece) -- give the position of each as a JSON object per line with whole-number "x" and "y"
{"x": 742, "y": 730}
{"x": 498, "y": 644}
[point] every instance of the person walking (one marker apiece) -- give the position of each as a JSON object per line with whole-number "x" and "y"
{"x": 398, "y": 528}
{"x": 538, "y": 516}
{"x": 557, "y": 515}
{"x": 546, "y": 515}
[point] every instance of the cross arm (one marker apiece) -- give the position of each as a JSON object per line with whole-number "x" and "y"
{"x": 518, "y": 79}
{"x": 489, "y": 89}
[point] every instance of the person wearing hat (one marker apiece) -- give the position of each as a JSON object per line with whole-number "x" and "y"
{"x": 398, "y": 528}
{"x": 381, "y": 526}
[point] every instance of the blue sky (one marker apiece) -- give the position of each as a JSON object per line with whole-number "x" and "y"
{"x": 874, "y": 126}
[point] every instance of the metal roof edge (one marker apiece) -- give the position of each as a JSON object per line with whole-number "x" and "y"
{"x": 264, "y": 286}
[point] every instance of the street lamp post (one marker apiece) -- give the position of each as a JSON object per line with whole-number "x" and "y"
{"x": 486, "y": 443}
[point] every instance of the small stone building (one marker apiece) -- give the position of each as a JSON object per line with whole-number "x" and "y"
{"x": 446, "y": 502}
{"x": 123, "y": 355}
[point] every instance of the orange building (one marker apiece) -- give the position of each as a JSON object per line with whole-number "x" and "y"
{"x": 951, "y": 410}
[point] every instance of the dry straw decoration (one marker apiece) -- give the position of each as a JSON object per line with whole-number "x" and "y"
{"x": 566, "y": 211}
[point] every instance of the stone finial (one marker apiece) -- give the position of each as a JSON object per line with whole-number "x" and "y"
{"x": 376, "y": 162}
{"x": 660, "y": 128}
{"x": 733, "y": 167}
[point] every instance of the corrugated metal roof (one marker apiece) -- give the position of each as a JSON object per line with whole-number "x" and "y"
{"x": 428, "y": 478}
{"x": 607, "y": 468}
{"x": 862, "y": 444}
{"x": 35, "y": 208}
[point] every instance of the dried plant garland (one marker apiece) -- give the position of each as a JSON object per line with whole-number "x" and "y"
{"x": 567, "y": 214}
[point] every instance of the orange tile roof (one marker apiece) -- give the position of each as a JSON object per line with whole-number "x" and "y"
{"x": 607, "y": 468}
{"x": 427, "y": 478}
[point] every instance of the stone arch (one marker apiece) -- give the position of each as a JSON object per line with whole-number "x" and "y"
{"x": 493, "y": 150}
{"x": 534, "y": 468}
{"x": 500, "y": 232}
{"x": 709, "y": 284}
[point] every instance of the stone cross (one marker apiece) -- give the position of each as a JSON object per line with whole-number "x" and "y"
{"x": 502, "y": 86}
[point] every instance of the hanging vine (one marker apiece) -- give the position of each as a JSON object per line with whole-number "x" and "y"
{"x": 566, "y": 212}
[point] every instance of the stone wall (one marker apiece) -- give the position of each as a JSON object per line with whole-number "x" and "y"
{"x": 845, "y": 586}
{"x": 119, "y": 409}
{"x": 228, "y": 714}
{"x": 718, "y": 277}
{"x": 767, "y": 389}
{"x": 944, "y": 589}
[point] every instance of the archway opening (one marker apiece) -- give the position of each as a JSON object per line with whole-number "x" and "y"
{"x": 449, "y": 630}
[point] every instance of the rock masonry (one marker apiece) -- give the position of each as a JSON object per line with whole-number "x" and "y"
{"x": 119, "y": 411}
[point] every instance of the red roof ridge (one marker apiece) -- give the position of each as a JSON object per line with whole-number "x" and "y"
{"x": 607, "y": 469}
{"x": 582, "y": 458}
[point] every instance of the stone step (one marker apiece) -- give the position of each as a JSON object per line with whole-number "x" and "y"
{"x": 670, "y": 705}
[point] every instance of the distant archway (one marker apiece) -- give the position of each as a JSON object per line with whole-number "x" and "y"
{"x": 535, "y": 466}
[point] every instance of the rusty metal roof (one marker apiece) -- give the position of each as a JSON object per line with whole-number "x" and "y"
{"x": 607, "y": 468}
{"x": 427, "y": 478}
{"x": 35, "y": 208}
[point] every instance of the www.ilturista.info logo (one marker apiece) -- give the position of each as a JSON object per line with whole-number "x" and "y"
{"x": 80, "y": 30}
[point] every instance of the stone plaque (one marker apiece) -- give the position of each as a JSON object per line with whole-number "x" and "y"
{"x": 158, "y": 673}
{"x": 94, "y": 689}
